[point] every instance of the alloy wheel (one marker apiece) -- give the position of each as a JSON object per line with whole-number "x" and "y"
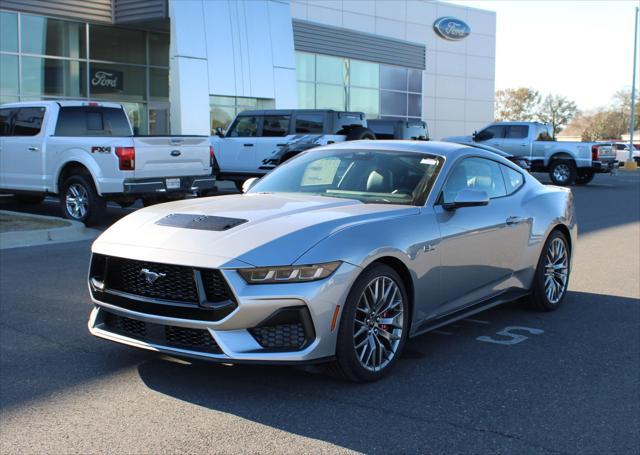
{"x": 562, "y": 172}
{"x": 77, "y": 201}
{"x": 378, "y": 323}
{"x": 556, "y": 270}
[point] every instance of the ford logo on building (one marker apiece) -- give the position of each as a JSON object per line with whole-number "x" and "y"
{"x": 451, "y": 28}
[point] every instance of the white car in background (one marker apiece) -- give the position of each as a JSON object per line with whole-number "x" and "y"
{"x": 622, "y": 153}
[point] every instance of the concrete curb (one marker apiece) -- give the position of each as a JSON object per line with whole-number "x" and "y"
{"x": 74, "y": 233}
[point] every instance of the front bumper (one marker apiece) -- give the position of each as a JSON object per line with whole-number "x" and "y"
{"x": 237, "y": 338}
{"x": 167, "y": 185}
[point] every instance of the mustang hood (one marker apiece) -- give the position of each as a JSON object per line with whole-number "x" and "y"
{"x": 237, "y": 230}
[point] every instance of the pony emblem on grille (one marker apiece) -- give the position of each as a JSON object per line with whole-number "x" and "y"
{"x": 150, "y": 276}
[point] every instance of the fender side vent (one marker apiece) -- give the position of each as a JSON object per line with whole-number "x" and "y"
{"x": 201, "y": 222}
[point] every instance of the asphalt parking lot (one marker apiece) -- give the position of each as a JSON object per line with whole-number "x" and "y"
{"x": 506, "y": 381}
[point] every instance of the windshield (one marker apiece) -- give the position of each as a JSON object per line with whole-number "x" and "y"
{"x": 370, "y": 176}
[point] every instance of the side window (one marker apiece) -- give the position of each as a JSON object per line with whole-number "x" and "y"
{"x": 275, "y": 125}
{"x": 309, "y": 124}
{"x": 543, "y": 135}
{"x": 5, "y": 121}
{"x": 244, "y": 126}
{"x": 513, "y": 179}
{"x": 493, "y": 132}
{"x": 476, "y": 174}
{"x": 517, "y": 132}
{"x": 92, "y": 121}
{"x": 28, "y": 121}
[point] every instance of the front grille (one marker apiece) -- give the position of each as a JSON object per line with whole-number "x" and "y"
{"x": 174, "y": 282}
{"x": 215, "y": 286}
{"x": 165, "y": 335}
{"x": 283, "y": 336}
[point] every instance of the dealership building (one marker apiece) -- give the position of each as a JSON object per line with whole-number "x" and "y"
{"x": 188, "y": 66}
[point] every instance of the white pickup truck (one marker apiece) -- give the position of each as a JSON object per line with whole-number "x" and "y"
{"x": 85, "y": 153}
{"x": 566, "y": 162}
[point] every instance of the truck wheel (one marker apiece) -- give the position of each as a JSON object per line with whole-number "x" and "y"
{"x": 80, "y": 201}
{"x": 360, "y": 133}
{"x": 29, "y": 198}
{"x": 584, "y": 177}
{"x": 562, "y": 172}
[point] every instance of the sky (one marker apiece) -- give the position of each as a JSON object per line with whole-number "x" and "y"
{"x": 580, "y": 49}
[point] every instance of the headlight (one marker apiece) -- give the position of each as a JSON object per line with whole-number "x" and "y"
{"x": 288, "y": 274}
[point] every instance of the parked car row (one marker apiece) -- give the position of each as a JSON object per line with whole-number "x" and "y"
{"x": 86, "y": 152}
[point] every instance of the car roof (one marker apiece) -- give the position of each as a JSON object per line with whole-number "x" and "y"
{"x": 62, "y": 103}
{"x": 297, "y": 111}
{"x": 447, "y": 150}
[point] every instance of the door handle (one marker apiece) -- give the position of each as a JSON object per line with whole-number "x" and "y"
{"x": 513, "y": 220}
{"x": 248, "y": 145}
{"x": 33, "y": 149}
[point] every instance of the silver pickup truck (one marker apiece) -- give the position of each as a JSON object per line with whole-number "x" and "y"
{"x": 566, "y": 162}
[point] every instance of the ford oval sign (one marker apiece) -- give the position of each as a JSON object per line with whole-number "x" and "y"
{"x": 451, "y": 28}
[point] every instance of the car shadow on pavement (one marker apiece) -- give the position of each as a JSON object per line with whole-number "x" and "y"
{"x": 444, "y": 387}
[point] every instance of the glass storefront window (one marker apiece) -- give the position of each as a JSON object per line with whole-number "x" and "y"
{"x": 330, "y": 97}
{"x": 393, "y": 103}
{"x": 8, "y": 74}
{"x": 331, "y": 70}
{"x": 365, "y": 100}
{"x": 117, "y": 82}
{"x": 223, "y": 109}
{"x": 221, "y": 117}
{"x": 44, "y": 36}
{"x": 327, "y": 82}
{"x": 8, "y": 32}
{"x": 52, "y": 77}
{"x": 137, "y": 113}
{"x": 159, "y": 49}
{"x": 415, "y": 105}
{"x": 305, "y": 66}
{"x": 244, "y": 104}
{"x": 223, "y": 100}
{"x": 393, "y": 78}
{"x": 306, "y": 95}
{"x": 159, "y": 84}
{"x": 117, "y": 44}
{"x": 364, "y": 74}
{"x": 415, "y": 81}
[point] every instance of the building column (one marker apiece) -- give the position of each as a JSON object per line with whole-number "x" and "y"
{"x": 188, "y": 71}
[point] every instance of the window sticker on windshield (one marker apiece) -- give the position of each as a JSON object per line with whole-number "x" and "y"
{"x": 429, "y": 161}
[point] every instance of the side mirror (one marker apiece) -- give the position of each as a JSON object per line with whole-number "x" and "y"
{"x": 467, "y": 198}
{"x": 246, "y": 186}
{"x": 219, "y": 132}
{"x": 474, "y": 136}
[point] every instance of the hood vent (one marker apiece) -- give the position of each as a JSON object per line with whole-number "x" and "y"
{"x": 201, "y": 222}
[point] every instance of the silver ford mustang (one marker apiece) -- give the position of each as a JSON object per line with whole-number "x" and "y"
{"x": 336, "y": 256}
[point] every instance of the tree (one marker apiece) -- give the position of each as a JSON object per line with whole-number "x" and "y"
{"x": 517, "y": 104}
{"x": 556, "y": 110}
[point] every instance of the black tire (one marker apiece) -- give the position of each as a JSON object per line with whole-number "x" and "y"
{"x": 347, "y": 363}
{"x": 95, "y": 206}
{"x": 539, "y": 299}
{"x": 31, "y": 199}
{"x": 360, "y": 133}
{"x": 584, "y": 176}
{"x": 238, "y": 184}
{"x": 562, "y": 172}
